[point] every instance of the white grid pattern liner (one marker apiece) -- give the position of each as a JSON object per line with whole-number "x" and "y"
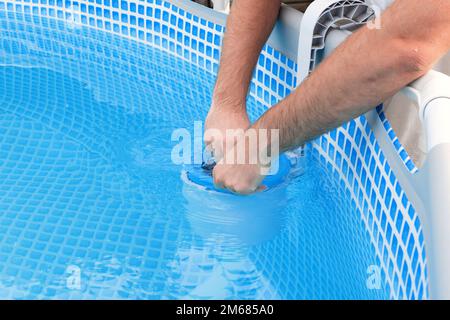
{"x": 372, "y": 221}
{"x": 263, "y": 94}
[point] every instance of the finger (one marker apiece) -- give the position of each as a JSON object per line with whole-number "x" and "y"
{"x": 232, "y": 190}
{"x": 218, "y": 183}
{"x": 208, "y": 146}
{"x": 215, "y": 149}
{"x": 241, "y": 191}
{"x": 262, "y": 188}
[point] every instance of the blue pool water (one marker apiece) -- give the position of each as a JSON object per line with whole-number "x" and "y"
{"x": 91, "y": 205}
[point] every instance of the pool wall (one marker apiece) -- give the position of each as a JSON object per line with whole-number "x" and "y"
{"x": 351, "y": 153}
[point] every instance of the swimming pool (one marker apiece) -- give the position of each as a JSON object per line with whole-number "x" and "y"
{"x": 93, "y": 207}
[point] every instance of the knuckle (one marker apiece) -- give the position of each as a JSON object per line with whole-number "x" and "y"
{"x": 242, "y": 188}
{"x": 217, "y": 177}
{"x": 218, "y": 180}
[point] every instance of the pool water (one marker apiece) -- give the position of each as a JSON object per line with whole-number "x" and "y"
{"x": 91, "y": 205}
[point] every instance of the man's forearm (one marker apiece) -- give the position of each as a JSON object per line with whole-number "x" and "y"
{"x": 248, "y": 27}
{"x": 368, "y": 68}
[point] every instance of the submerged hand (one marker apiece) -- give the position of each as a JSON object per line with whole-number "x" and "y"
{"x": 238, "y": 177}
{"x": 241, "y": 179}
{"x": 241, "y": 171}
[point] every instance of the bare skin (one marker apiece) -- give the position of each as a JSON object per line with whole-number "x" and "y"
{"x": 371, "y": 66}
{"x": 248, "y": 27}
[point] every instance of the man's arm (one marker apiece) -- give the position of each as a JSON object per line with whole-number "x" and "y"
{"x": 369, "y": 67}
{"x": 248, "y": 28}
{"x": 366, "y": 70}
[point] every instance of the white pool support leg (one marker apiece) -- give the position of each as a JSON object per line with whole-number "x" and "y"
{"x": 436, "y": 119}
{"x": 432, "y": 94}
{"x": 429, "y": 189}
{"x": 435, "y": 179}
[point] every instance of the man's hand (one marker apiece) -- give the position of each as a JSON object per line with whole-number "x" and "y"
{"x": 241, "y": 179}
{"x": 222, "y": 117}
{"x": 241, "y": 170}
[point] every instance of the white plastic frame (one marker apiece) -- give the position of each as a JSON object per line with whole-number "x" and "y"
{"x": 321, "y": 32}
